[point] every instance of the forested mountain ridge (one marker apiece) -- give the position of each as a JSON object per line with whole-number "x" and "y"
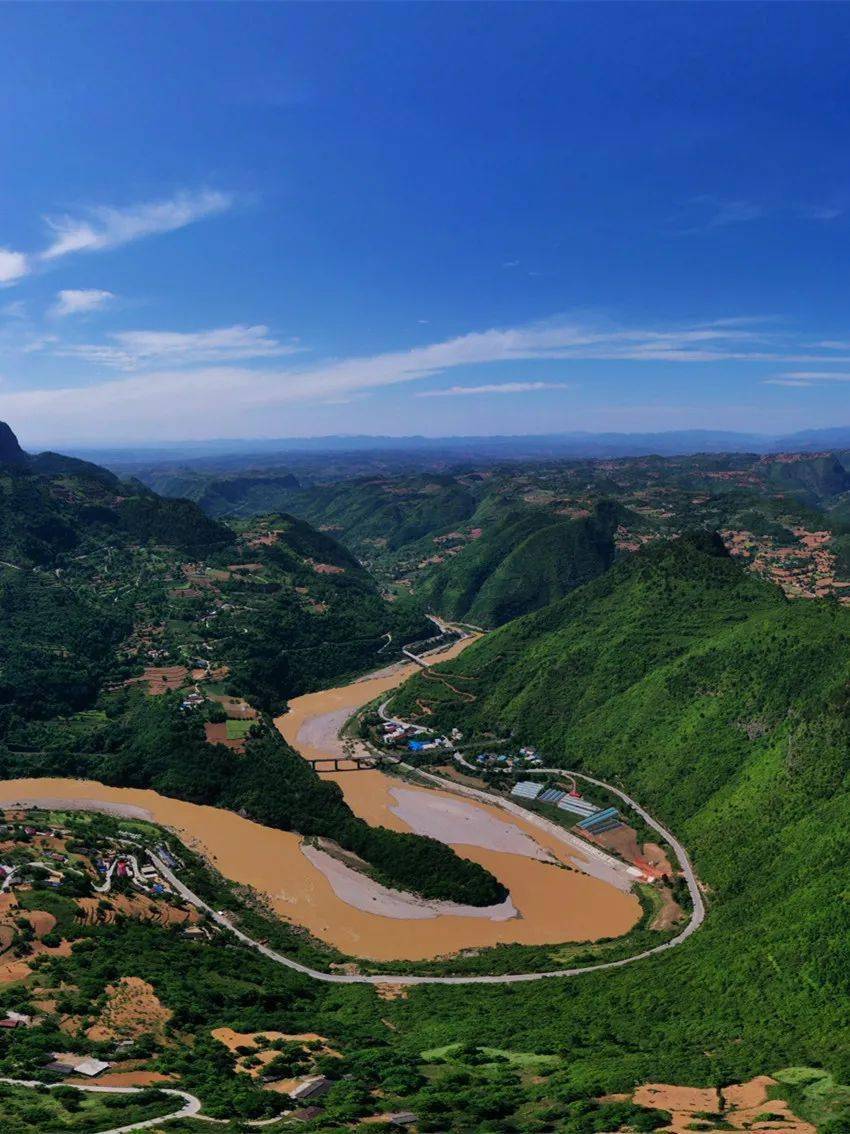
{"x": 516, "y": 558}
{"x": 75, "y": 536}
{"x": 107, "y": 589}
{"x": 523, "y": 560}
{"x": 725, "y": 709}
{"x": 816, "y": 478}
{"x": 441, "y": 534}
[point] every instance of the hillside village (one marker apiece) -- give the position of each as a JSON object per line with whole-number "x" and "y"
{"x": 440, "y": 521}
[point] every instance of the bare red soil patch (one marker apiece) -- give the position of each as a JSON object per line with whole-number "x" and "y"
{"x": 131, "y": 1079}
{"x": 138, "y": 906}
{"x": 132, "y": 1009}
{"x": 741, "y": 1106}
{"x": 216, "y": 733}
{"x": 161, "y": 678}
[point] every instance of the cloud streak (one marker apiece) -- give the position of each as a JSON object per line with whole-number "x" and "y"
{"x": 132, "y": 350}
{"x": 13, "y": 266}
{"x": 706, "y": 213}
{"x": 101, "y": 227}
{"x": 494, "y": 388}
{"x": 220, "y": 382}
{"x": 80, "y": 301}
{"x": 807, "y": 378}
{"x": 797, "y": 382}
{"x": 98, "y": 228}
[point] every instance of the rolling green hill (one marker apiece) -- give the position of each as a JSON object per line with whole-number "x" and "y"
{"x": 398, "y": 510}
{"x": 725, "y": 709}
{"x": 100, "y": 578}
{"x": 816, "y": 478}
{"x": 524, "y": 559}
{"x": 85, "y": 558}
{"x": 393, "y": 512}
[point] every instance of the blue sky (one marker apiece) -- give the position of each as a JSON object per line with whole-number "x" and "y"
{"x": 288, "y": 220}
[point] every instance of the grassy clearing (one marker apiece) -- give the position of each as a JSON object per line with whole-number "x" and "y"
{"x": 62, "y": 908}
{"x": 496, "y": 1054}
{"x": 237, "y": 730}
{"x": 28, "y": 1110}
{"x": 814, "y": 1095}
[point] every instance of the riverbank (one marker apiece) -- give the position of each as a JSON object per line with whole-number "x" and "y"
{"x": 554, "y": 904}
{"x": 560, "y": 892}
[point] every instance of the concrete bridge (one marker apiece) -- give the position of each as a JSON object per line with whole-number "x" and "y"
{"x": 348, "y": 763}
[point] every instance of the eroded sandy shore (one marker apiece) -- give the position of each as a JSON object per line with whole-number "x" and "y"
{"x": 555, "y": 901}
{"x": 554, "y": 904}
{"x": 358, "y": 890}
{"x": 551, "y": 901}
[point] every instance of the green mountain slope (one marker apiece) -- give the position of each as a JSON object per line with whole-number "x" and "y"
{"x": 246, "y": 495}
{"x": 524, "y": 559}
{"x": 466, "y": 548}
{"x": 725, "y": 709}
{"x": 394, "y": 512}
{"x": 815, "y": 478}
{"x": 76, "y": 543}
{"x": 101, "y": 578}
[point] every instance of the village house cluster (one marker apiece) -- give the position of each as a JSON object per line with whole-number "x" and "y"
{"x": 416, "y": 738}
{"x": 28, "y": 854}
{"x": 526, "y": 757}
{"x": 804, "y": 568}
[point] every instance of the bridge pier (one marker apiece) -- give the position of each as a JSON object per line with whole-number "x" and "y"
{"x": 361, "y": 763}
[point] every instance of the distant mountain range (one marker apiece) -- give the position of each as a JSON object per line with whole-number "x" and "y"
{"x": 578, "y": 445}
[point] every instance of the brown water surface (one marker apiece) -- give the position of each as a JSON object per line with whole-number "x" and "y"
{"x": 555, "y": 902}
{"x": 555, "y": 905}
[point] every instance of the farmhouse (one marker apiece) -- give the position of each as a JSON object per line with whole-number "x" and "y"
{"x": 314, "y": 1088}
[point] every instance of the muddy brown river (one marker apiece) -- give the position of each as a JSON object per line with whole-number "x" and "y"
{"x": 552, "y": 900}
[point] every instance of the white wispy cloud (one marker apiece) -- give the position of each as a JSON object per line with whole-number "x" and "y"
{"x": 820, "y": 212}
{"x": 494, "y": 388}
{"x": 100, "y": 227}
{"x": 735, "y": 212}
{"x": 705, "y": 212}
{"x": 808, "y": 377}
{"x": 96, "y": 228}
{"x": 129, "y": 350}
{"x": 215, "y": 382}
{"x": 798, "y": 382}
{"x": 13, "y": 266}
{"x": 80, "y": 301}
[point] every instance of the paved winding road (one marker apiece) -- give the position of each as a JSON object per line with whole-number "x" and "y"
{"x": 191, "y": 1104}
{"x": 696, "y": 919}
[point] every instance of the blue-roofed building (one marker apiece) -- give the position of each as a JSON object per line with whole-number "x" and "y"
{"x": 605, "y": 820}
{"x": 551, "y": 795}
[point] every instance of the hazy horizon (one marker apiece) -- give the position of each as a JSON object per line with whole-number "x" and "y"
{"x": 460, "y": 447}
